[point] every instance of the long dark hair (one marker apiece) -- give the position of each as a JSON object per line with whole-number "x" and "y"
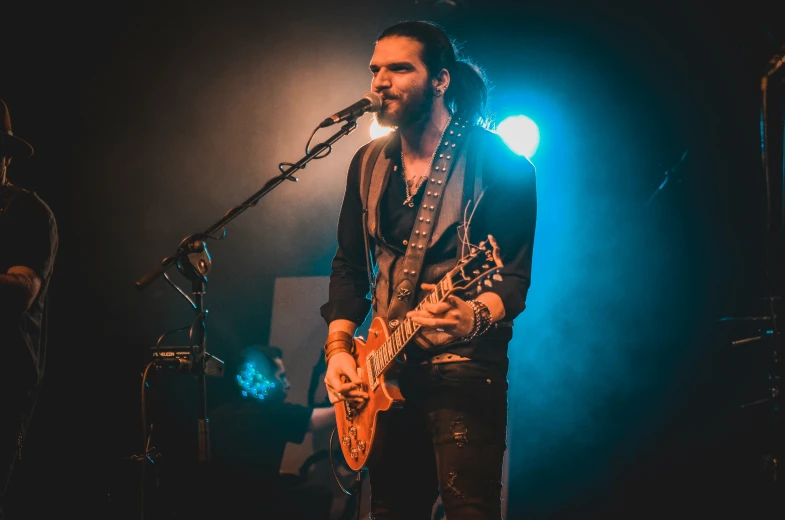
{"x": 468, "y": 93}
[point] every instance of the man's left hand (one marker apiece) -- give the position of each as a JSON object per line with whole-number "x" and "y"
{"x": 443, "y": 322}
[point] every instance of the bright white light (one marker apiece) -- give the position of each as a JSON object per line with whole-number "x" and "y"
{"x": 521, "y": 134}
{"x": 378, "y": 130}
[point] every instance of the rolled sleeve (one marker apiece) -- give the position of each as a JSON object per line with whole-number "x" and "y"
{"x": 352, "y": 309}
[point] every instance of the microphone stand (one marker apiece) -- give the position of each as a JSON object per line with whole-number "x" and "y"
{"x": 193, "y": 261}
{"x": 772, "y": 257}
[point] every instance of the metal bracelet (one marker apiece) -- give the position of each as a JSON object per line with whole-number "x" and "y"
{"x": 482, "y": 321}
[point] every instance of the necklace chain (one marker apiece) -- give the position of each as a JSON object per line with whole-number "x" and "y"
{"x": 410, "y": 193}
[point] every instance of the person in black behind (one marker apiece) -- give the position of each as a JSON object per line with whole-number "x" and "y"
{"x": 29, "y": 241}
{"x": 249, "y": 431}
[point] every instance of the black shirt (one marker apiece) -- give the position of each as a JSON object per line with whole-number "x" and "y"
{"x": 28, "y": 234}
{"x": 249, "y": 436}
{"x": 507, "y": 211}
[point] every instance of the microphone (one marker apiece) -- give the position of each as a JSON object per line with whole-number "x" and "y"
{"x": 776, "y": 61}
{"x": 371, "y": 102}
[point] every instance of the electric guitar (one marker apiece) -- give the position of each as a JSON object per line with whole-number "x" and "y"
{"x": 359, "y": 426}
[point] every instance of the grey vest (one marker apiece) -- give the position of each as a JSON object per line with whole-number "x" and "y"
{"x": 374, "y": 172}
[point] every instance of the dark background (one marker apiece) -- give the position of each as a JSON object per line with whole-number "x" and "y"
{"x": 151, "y": 119}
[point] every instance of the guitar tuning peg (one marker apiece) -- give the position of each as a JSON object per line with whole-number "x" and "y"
{"x": 497, "y": 277}
{"x": 488, "y": 283}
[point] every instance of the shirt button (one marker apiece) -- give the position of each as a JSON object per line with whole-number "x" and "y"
{"x": 406, "y": 242}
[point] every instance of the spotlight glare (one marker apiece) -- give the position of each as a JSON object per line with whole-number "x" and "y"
{"x": 520, "y": 134}
{"x": 378, "y": 130}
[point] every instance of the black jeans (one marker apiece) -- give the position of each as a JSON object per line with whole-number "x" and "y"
{"x": 449, "y": 437}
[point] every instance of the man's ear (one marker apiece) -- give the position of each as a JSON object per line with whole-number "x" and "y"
{"x": 442, "y": 80}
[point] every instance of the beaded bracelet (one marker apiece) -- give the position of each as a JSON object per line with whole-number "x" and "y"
{"x": 482, "y": 320}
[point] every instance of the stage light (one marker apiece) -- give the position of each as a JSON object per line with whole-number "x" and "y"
{"x": 253, "y": 383}
{"x": 521, "y": 134}
{"x": 378, "y": 130}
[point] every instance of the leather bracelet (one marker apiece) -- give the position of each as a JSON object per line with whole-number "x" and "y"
{"x": 336, "y": 350}
{"x": 338, "y": 341}
{"x": 339, "y": 345}
{"x": 338, "y": 335}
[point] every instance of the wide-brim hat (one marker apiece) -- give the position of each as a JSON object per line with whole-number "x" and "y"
{"x": 11, "y": 146}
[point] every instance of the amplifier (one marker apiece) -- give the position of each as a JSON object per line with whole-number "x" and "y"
{"x": 181, "y": 358}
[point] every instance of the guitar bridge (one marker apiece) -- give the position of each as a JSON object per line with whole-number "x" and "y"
{"x": 372, "y": 379}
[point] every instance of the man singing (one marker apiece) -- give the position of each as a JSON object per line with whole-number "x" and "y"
{"x": 416, "y": 201}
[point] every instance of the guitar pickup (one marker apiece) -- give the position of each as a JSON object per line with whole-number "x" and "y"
{"x": 374, "y": 381}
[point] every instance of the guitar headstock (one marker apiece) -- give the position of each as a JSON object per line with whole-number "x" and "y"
{"x": 478, "y": 269}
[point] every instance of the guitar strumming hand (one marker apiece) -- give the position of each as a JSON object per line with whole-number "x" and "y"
{"x": 343, "y": 382}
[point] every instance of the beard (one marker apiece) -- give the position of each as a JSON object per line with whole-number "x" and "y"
{"x": 410, "y": 112}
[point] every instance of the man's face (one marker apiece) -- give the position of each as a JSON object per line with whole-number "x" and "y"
{"x": 401, "y": 79}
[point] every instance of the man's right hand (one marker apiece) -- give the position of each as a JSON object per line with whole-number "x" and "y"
{"x": 342, "y": 381}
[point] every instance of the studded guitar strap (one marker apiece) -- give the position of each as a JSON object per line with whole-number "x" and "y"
{"x": 408, "y": 270}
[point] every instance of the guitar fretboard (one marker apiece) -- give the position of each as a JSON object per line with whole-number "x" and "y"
{"x": 387, "y": 352}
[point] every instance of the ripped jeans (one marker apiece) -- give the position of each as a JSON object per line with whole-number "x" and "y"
{"x": 449, "y": 437}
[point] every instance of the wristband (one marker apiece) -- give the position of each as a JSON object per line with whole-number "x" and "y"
{"x": 482, "y": 320}
{"x": 338, "y": 341}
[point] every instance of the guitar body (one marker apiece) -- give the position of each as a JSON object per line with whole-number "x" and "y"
{"x": 359, "y": 428}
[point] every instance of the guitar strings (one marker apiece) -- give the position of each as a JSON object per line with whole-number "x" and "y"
{"x": 466, "y": 221}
